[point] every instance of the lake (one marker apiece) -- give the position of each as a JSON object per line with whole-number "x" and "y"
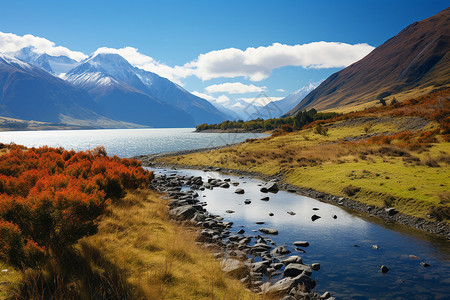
{"x": 126, "y": 142}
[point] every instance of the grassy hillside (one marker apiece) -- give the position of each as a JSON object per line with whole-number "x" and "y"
{"x": 389, "y": 156}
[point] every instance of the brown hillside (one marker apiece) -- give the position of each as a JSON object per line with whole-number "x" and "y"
{"x": 417, "y": 58}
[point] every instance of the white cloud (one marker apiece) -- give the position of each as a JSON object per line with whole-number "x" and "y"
{"x": 10, "y": 43}
{"x": 204, "y": 96}
{"x": 222, "y": 99}
{"x": 281, "y": 90}
{"x": 253, "y": 63}
{"x": 147, "y": 63}
{"x": 258, "y": 63}
{"x": 234, "y": 88}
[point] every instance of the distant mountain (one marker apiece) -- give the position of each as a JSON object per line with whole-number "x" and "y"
{"x": 110, "y": 75}
{"x": 56, "y": 65}
{"x": 417, "y": 60}
{"x": 113, "y": 84}
{"x": 276, "y": 109}
{"x": 30, "y": 93}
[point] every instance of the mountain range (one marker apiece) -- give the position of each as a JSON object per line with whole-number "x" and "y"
{"x": 102, "y": 91}
{"x": 414, "y": 62}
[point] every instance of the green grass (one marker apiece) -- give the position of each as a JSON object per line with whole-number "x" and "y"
{"x": 307, "y": 159}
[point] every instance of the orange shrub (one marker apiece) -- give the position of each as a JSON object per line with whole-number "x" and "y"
{"x": 50, "y": 198}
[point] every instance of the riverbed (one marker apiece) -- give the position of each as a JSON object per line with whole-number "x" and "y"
{"x": 349, "y": 247}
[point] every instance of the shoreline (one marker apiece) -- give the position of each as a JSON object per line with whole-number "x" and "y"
{"x": 385, "y": 214}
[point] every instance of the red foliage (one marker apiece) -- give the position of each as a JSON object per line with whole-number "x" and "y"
{"x": 50, "y": 197}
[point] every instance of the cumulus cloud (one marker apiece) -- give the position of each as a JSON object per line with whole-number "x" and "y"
{"x": 253, "y": 63}
{"x": 10, "y": 43}
{"x": 257, "y": 63}
{"x": 234, "y": 88}
{"x": 147, "y": 63}
{"x": 204, "y": 96}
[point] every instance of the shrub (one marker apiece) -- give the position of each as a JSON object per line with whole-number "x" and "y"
{"x": 50, "y": 198}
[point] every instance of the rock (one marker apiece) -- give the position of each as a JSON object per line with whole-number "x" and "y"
{"x": 294, "y": 259}
{"x": 239, "y": 191}
{"x": 230, "y": 211}
{"x": 260, "y": 222}
{"x": 234, "y": 268}
{"x": 288, "y": 297}
{"x": 241, "y": 231}
{"x": 225, "y": 185}
{"x": 291, "y": 213}
{"x": 235, "y": 183}
{"x": 413, "y": 256}
{"x": 384, "y": 269}
{"x": 284, "y": 285}
{"x": 280, "y": 250}
{"x": 292, "y": 191}
{"x": 271, "y": 214}
{"x": 265, "y": 198}
{"x": 260, "y": 267}
{"x": 315, "y": 267}
{"x": 227, "y": 179}
{"x": 293, "y": 270}
{"x": 247, "y": 201}
{"x": 315, "y": 217}
{"x": 325, "y": 295}
{"x": 425, "y": 265}
{"x": 334, "y": 217}
{"x": 315, "y": 208}
{"x": 301, "y": 244}
{"x": 183, "y": 212}
{"x": 391, "y": 211}
{"x": 375, "y": 247}
{"x": 269, "y": 231}
{"x": 270, "y": 186}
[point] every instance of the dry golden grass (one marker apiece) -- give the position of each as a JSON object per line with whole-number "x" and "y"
{"x": 410, "y": 179}
{"x": 160, "y": 257}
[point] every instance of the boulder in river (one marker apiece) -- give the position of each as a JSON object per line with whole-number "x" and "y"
{"x": 293, "y": 270}
{"x": 247, "y": 201}
{"x": 239, "y": 191}
{"x": 291, "y": 213}
{"x": 284, "y": 285}
{"x": 280, "y": 250}
{"x": 230, "y": 211}
{"x": 384, "y": 269}
{"x": 265, "y": 198}
{"x": 315, "y": 217}
{"x": 269, "y": 231}
{"x": 270, "y": 186}
{"x": 183, "y": 212}
{"x": 301, "y": 243}
{"x": 294, "y": 259}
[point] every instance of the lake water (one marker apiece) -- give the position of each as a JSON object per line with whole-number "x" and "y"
{"x": 126, "y": 142}
{"x": 347, "y": 271}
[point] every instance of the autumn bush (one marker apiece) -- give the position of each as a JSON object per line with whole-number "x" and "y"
{"x": 51, "y": 197}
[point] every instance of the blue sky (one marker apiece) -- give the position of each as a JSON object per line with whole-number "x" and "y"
{"x": 175, "y": 33}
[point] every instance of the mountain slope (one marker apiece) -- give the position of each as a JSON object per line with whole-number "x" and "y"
{"x": 417, "y": 58}
{"x": 53, "y": 64}
{"x": 30, "y": 93}
{"x": 111, "y": 82}
{"x": 102, "y": 70}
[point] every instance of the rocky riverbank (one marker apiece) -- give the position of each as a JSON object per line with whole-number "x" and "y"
{"x": 389, "y": 214}
{"x": 251, "y": 258}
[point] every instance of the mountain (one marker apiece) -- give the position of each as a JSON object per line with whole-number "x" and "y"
{"x": 111, "y": 81}
{"x": 30, "y": 93}
{"x": 56, "y": 65}
{"x": 104, "y": 72}
{"x": 415, "y": 61}
{"x": 276, "y": 109}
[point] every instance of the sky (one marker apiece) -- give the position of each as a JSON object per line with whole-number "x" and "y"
{"x": 220, "y": 50}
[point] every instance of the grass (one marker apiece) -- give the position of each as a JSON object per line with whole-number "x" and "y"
{"x": 412, "y": 180}
{"x": 138, "y": 253}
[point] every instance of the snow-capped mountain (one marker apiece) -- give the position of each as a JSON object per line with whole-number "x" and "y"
{"x": 278, "y": 108}
{"x": 104, "y": 70}
{"x": 30, "y": 93}
{"x": 55, "y": 65}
